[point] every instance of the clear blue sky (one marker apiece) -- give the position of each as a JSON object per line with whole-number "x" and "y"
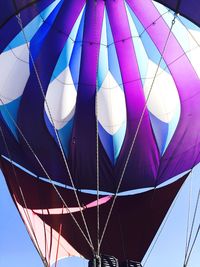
{"x": 17, "y": 250}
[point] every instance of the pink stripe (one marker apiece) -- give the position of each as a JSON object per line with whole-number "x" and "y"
{"x": 102, "y": 201}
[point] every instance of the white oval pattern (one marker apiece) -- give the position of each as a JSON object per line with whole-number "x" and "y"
{"x": 61, "y": 99}
{"x": 14, "y": 66}
{"x": 111, "y": 105}
{"x": 164, "y": 99}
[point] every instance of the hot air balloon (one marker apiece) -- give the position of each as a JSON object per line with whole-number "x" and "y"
{"x": 99, "y": 120}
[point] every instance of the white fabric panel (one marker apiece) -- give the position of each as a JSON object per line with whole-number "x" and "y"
{"x": 14, "y": 66}
{"x": 164, "y": 98}
{"x": 61, "y": 99}
{"x": 194, "y": 57}
{"x": 111, "y": 105}
{"x": 194, "y": 53}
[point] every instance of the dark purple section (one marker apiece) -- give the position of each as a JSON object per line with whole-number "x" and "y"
{"x": 9, "y": 145}
{"x": 187, "y": 8}
{"x": 12, "y": 28}
{"x": 183, "y": 150}
{"x": 32, "y": 104}
{"x": 143, "y": 163}
{"x": 133, "y": 224}
{"x": 12, "y": 7}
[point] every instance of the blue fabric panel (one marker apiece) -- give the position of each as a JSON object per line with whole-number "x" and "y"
{"x": 31, "y": 28}
{"x": 138, "y": 46}
{"x": 12, "y": 28}
{"x": 118, "y": 139}
{"x": 112, "y": 55}
{"x": 103, "y": 55}
{"x": 39, "y": 37}
{"x": 160, "y": 129}
{"x": 107, "y": 142}
{"x": 65, "y": 136}
{"x": 64, "y": 133}
{"x": 66, "y": 53}
{"x": 148, "y": 44}
{"x": 75, "y": 60}
{"x": 9, "y": 114}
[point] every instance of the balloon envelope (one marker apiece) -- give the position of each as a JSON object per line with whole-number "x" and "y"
{"x": 97, "y": 95}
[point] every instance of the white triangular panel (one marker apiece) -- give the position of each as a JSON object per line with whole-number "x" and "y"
{"x": 111, "y": 105}
{"x": 14, "y": 66}
{"x": 61, "y": 99}
{"x": 164, "y": 98}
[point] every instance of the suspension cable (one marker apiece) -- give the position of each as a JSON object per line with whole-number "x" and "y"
{"x": 195, "y": 239}
{"x": 188, "y": 219}
{"x": 97, "y": 143}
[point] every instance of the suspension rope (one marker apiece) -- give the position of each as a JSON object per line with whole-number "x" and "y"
{"x": 53, "y": 124}
{"x": 195, "y": 239}
{"x": 97, "y": 145}
{"x": 45, "y": 236}
{"x": 188, "y": 219}
{"x": 137, "y": 130}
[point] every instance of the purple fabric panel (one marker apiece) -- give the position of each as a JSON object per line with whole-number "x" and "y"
{"x": 12, "y": 28}
{"x": 185, "y": 143}
{"x": 187, "y": 8}
{"x": 31, "y": 119}
{"x": 142, "y": 168}
{"x": 9, "y": 150}
{"x": 83, "y": 149}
